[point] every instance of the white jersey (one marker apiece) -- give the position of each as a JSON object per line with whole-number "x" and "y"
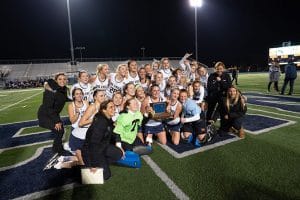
{"x": 114, "y": 86}
{"x": 86, "y": 89}
{"x": 79, "y": 132}
{"x": 166, "y": 73}
{"x": 152, "y": 122}
{"x": 173, "y": 110}
{"x": 135, "y": 80}
{"x": 99, "y": 84}
{"x": 145, "y": 86}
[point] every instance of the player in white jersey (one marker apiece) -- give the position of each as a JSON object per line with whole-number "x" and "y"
{"x": 99, "y": 96}
{"x": 165, "y": 68}
{"x": 173, "y": 124}
{"x": 133, "y": 76}
{"x": 144, "y": 80}
{"x": 159, "y": 80}
{"x": 76, "y": 109}
{"x": 102, "y": 79}
{"x": 117, "y": 80}
{"x": 84, "y": 85}
{"x": 189, "y": 68}
{"x": 153, "y": 126}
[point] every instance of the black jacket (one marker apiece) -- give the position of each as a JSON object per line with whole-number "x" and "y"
{"x": 217, "y": 89}
{"x": 235, "y": 111}
{"x": 98, "y": 138}
{"x": 54, "y": 99}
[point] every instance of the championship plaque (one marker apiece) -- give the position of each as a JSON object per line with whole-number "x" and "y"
{"x": 159, "y": 110}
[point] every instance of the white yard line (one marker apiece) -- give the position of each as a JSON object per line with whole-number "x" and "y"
{"x": 20, "y": 101}
{"x": 279, "y": 109}
{"x": 164, "y": 177}
{"x": 44, "y": 193}
{"x": 14, "y": 91}
{"x": 293, "y": 116}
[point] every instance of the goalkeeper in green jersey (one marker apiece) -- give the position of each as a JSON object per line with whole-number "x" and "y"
{"x": 127, "y": 126}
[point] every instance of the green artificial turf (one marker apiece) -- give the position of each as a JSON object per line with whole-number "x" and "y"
{"x": 264, "y": 166}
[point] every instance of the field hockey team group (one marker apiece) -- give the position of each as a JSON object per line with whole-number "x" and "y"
{"x": 112, "y": 113}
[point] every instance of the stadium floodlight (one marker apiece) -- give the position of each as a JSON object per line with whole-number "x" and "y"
{"x": 196, "y": 4}
{"x": 70, "y": 31}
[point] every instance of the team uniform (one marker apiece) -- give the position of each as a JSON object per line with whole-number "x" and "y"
{"x": 87, "y": 90}
{"x": 166, "y": 73}
{"x": 115, "y": 86}
{"x": 78, "y": 134}
{"x": 99, "y": 84}
{"x": 174, "y": 124}
{"x": 135, "y": 80}
{"x": 127, "y": 128}
{"x": 198, "y": 96}
{"x": 191, "y": 112}
{"x": 152, "y": 126}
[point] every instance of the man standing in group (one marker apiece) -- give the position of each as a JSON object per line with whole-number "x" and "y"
{"x": 290, "y": 71}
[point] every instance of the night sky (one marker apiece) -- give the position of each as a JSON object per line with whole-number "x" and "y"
{"x": 234, "y": 31}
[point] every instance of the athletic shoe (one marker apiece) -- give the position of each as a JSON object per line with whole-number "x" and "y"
{"x": 53, "y": 160}
{"x": 197, "y": 142}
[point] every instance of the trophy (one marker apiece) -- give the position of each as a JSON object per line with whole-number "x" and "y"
{"x": 159, "y": 111}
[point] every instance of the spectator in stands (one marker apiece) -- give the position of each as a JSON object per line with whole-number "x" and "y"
{"x": 290, "y": 75}
{"x": 274, "y": 74}
{"x": 217, "y": 86}
{"x": 97, "y": 151}
{"x": 54, "y": 99}
{"x": 232, "y": 111}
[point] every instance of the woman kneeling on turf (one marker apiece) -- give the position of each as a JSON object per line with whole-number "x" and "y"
{"x": 233, "y": 111}
{"x": 191, "y": 118}
{"x": 127, "y": 126}
{"x": 97, "y": 151}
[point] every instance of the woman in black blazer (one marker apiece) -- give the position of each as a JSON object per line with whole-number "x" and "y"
{"x": 98, "y": 150}
{"x": 54, "y": 98}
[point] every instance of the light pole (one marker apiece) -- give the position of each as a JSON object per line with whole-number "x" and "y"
{"x": 196, "y": 4}
{"x": 143, "y": 51}
{"x": 80, "y": 49}
{"x": 70, "y": 31}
